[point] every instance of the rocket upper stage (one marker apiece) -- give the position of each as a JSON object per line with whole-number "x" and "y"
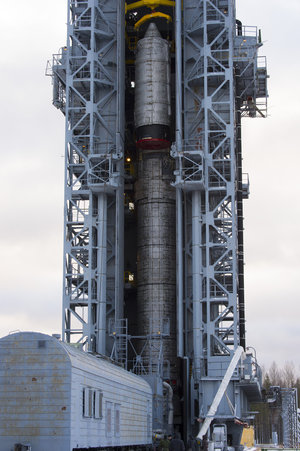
{"x": 152, "y": 109}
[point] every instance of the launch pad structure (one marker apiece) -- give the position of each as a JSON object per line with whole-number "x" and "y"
{"x": 153, "y": 93}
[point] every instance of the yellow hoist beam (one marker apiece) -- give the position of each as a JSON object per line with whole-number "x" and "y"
{"x": 151, "y": 16}
{"x": 152, "y": 4}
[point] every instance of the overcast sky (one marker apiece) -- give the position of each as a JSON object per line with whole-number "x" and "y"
{"x": 32, "y": 170}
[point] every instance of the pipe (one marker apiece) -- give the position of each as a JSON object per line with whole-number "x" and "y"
{"x": 179, "y": 270}
{"x": 119, "y": 258}
{"x": 101, "y": 276}
{"x": 179, "y": 231}
{"x": 178, "y": 68}
{"x": 171, "y": 407}
{"x": 197, "y": 281}
{"x": 151, "y": 16}
{"x": 240, "y": 226}
{"x": 152, "y": 4}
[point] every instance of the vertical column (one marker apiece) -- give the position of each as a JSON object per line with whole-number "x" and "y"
{"x": 179, "y": 211}
{"x": 197, "y": 270}
{"x": 101, "y": 272}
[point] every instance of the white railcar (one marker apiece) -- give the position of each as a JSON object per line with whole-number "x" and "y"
{"x": 56, "y": 397}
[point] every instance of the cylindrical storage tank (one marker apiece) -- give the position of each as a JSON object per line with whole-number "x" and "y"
{"x": 152, "y": 110}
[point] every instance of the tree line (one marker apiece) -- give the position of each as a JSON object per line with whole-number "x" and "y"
{"x": 285, "y": 377}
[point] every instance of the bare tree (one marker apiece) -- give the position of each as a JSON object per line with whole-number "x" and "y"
{"x": 289, "y": 376}
{"x": 275, "y": 375}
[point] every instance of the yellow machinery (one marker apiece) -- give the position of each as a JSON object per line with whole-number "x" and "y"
{"x": 247, "y": 439}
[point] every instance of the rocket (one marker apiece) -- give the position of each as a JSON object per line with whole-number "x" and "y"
{"x": 156, "y": 201}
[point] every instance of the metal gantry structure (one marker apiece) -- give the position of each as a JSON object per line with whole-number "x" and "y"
{"x": 123, "y": 195}
{"x": 89, "y": 89}
{"x": 219, "y": 80}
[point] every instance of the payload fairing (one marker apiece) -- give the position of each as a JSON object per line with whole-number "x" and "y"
{"x": 152, "y": 111}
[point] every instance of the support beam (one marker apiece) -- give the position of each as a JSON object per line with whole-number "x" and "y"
{"x": 220, "y": 393}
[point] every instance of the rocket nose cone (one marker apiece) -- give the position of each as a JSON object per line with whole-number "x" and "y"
{"x": 152, "y": 31}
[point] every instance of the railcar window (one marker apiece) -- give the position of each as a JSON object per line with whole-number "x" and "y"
{"x": 148, "y": 420}
{"x": 117, "y": 420}
{"x": 87, "y": 402}
{"x": 98, "y": 395}
{"x": 92, "y": 403}
{"x": 108, "y": 408}
{"x": 83, "y": 403}
{"x": 91, "y": 399}
{"x": 41, "y": 343}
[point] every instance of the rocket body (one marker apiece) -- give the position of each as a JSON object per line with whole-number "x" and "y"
{"x": 156, "y": 257}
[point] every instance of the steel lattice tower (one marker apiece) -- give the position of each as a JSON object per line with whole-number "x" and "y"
{"x": 89, "y": 89}
{"x": 216, "y": 78}
{"x": 220, "y": 79}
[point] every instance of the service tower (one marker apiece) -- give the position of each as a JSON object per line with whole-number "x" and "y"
{"x": 153, "y": 92}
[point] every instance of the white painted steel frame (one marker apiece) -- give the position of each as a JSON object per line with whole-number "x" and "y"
{"x": 220, "y": 70}
{"x": 206, "y": 173}
{"x": 94, "y": 105}
{"x": 206, "y": 195}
